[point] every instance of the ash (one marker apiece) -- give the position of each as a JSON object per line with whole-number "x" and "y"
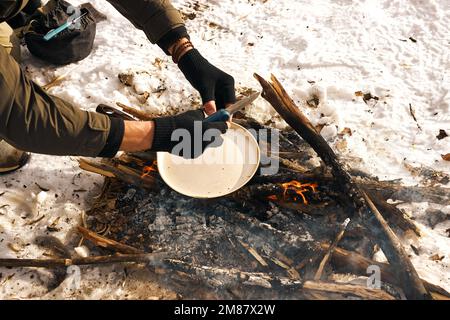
{"x": 219, "y": 244}
{"x": 217, "y": 234}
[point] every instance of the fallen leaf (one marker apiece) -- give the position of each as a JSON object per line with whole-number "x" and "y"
{"x": 415, "y": 249}
{"x": 367, "y": 96}
{"x": 446, "y": 157}
{"x": 42, "y": 188}
{"x": 346, "y": 131}
{"x": 144, "y": 97}
{"x": 442, "y": 134}
{"x": 314, "y": 101}
{"x": 342, "y": 145}
{"x": 14, "y": 247}
{"x": 158, "y": 63}
{"x": 188, "y": 16}
{"x": 437, "y": 257}
{"x": 126, "y": 79}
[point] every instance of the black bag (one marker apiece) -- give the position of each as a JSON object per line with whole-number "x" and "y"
{"x": 68, "y": 46}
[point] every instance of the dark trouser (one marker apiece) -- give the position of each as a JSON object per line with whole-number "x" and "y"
{"x": 31, "y": 120}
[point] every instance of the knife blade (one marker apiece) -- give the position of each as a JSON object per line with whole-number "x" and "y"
{"x": 225, "y": 114}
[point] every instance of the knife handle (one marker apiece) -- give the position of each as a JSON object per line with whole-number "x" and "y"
{"x": 53, "y": 33}
{"x": 219, "y": 116}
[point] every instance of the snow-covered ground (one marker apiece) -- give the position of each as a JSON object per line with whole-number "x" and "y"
{"x": 396, "y": 50}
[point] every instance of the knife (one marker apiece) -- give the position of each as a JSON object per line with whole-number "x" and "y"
{"x": 114, "y": 112}
{"x": 54, "y": 32}
{"x": 225, "y": 114}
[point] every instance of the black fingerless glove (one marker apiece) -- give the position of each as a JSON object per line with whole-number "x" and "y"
{"x": 211, "y": 82}
{"x": 184, "y": 134}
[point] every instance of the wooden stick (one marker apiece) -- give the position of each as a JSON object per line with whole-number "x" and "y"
{"x": 359, "y": 291}
{"x": 135, "y": 112}
{"x": 121, "y": 172}
{"x": 352, "y": 262}
{"x": 393, "y": 214}
{"x": 385, "y": 189}
{"x": 231, "y": 276}
{"x": 390, "y": 190}
{"x": 99, "y": 260}
{"x": 413, "y": 287}
{"x": 330, "y": 250}
{"x": 106, "y": 243}
{"x": 254, "y": 253}
{"x": 263, "y": 186}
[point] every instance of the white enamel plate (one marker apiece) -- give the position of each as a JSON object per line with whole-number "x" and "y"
{"x": 218, "y": 172}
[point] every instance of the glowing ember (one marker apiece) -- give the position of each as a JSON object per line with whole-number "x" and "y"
{"x": 298, "y": 188}
{"x": 149, "y": 169}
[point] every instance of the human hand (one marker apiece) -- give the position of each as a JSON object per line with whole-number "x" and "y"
{"x": 214, "y": 85}
{"x": 186, "y": 134}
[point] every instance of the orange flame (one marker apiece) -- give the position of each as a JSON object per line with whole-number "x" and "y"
{"x": 149, "y": 169}
{"x": 298, "y": 188}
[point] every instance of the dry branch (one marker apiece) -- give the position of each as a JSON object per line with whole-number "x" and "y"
{"x": 386, "y": 189}
{"x": 99, "y": 260}
{"x": 359, "y": 291}
{"x": 227, "y": 277}
{"x": 352, "y": 262}
{"x": 135, "y": 112}
{"x": 393, "y": 214}
{"x": 121, "y": 172}
{"x": 264, "y": 186}
{"x": 254, "y": 253}
{"x": 413, "y": 287}
{"x": 330, "y": 250}
{"x": 106, "y": 243}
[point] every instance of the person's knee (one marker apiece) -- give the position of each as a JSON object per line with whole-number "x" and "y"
{"x": 9, "y": 41}
{"x": 5, "y": 36}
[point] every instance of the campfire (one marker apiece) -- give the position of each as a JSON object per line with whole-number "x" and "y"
{"x": 297, "y": 189}
{"x": 290, "y": 235}
{"x": 149, "y": 169}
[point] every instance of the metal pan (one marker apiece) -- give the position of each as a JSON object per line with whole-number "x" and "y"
{"x": 218, "y": 172}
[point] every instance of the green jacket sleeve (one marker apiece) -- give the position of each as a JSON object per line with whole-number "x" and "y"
{"x": 155, "y": 17}
{"x": 31, "y": 120}
{"x": 9, "y": 8}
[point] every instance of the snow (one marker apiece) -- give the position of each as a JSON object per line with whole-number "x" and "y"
{"x": 398, "y": 50}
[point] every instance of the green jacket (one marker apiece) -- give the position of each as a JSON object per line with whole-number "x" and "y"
{"x": 154, "y": 17}
{"x": 32, "y": 120}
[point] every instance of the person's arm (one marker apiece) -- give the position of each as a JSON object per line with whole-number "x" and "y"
{"x": 186, "y": 130}
{"x": 164, "y": 26}
{"x": 9, "y": 9}
{"x": 159, "y": 19}
{"x": 138, "y": 136}
{"x": 32, "y": 120}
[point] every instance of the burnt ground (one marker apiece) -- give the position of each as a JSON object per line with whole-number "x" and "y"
{"x": 224, "y": 234}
